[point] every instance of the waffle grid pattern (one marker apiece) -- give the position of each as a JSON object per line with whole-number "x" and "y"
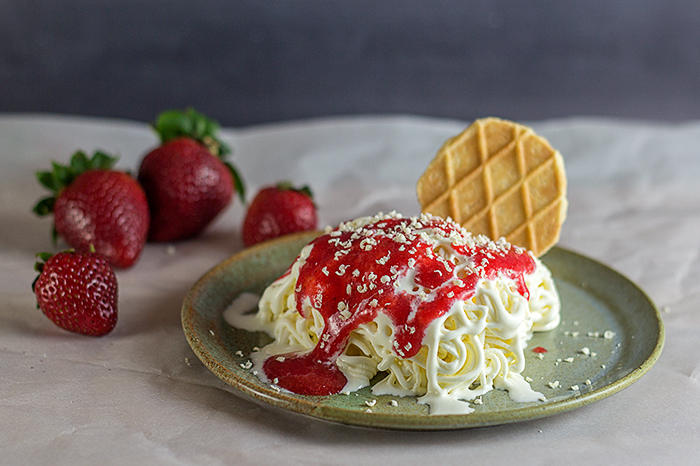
{"x": 499, "y": 178}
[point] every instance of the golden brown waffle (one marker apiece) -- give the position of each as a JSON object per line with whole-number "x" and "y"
{"x": 499, "y": 178}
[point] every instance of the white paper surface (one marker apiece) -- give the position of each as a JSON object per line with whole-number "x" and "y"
{"x": 140, "y": 396}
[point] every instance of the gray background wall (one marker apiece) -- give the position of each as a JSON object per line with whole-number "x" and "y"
{"x": 254, "y": 61}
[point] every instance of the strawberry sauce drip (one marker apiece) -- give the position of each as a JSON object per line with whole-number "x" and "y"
{"x": 350, "y": 276}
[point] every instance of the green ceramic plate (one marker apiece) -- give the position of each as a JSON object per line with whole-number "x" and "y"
{"x": 611, "y": 334}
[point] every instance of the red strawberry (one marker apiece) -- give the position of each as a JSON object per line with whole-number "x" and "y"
{"x": 78, "y": 292}
{"x": 279, "y": 210}
{"x": 95, "y": 206}
{"x": 186, "y": 179}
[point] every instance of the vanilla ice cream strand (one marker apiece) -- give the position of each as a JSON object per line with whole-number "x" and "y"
{"x": 373, "y": 340}
{"x": 279, "y": 296}
{"x": 404, "y": 380}
{"x": 444, "y": 377}
{"x": 544, "y": 300}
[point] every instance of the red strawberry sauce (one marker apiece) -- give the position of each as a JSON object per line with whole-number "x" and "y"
{"x": 350, "y": 275}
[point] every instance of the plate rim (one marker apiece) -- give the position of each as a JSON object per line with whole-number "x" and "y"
{"x": 310, "y": 406}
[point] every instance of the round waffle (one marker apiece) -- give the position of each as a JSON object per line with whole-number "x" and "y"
{"x": 498, "y": 178}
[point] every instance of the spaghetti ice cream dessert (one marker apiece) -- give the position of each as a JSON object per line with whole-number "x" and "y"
{"x": 439, "y": 313}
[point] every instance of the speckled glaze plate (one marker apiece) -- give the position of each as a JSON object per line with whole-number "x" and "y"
{"x": 611, "y": 334}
